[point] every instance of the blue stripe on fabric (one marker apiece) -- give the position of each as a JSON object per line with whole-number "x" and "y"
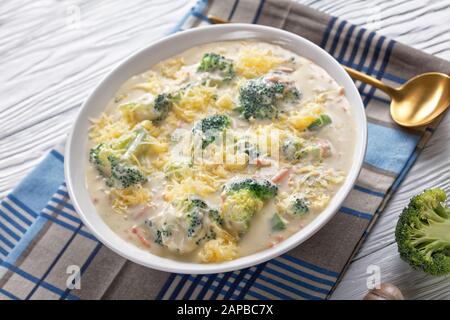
{"x": 34, "y": 279}
{"x": 310, "y": 266}
{"x": 166, "y": 286}
{"x": 258, "y": 11}
{"x": 63, "y": 203}
{"x": 405, "y": 170}
{"x": 6, "y": 241}
{"x": 337, "y": 36}
{"x": 63, "y": 213}
{"x": 222, "y": 282}
{"x": 233, "y": 10}
{"x": 233, "y": 286}
{"x": 22, "y": 205}
{"x": 347, "y": 38}
{"x": 358, "y": 38}
{"x": 199, "y": 7}
{"x": 356, "y": 213}
{"x": 372, "y": 64}
{"x": 201, "y": 16}
{"x": 396, "y": 145}
{"x": 296, "y": 281}
{"x": 11, "y": 221}
{"x": 179, "y": 286}
{"x": 326, "y": 34}
{"x": 209, "y": 282}
{"x": 25, "y": 240}
{"x": 212, "y": 286}
{"x": 293, "y": 290}
{"x": 57, "y": 155}
{"x": 16, "y": 213}
{"x": 84, "y": 267}
{"x": 368, "y": 191}
{"x": 301, "y": 273}
{"x": 3, "y": 251}
{"x": 252, "y": 279}
{"x": 386, "y": 75}
{"x": 52, "y": 264}
{"x": 68, "y": 226}
{"x": 11, "y": 233}
{"x": 8, "y": 294}
{"x": 365, "y": 51}
{"x": 62, "y": 192}
{"x": 194, "y": 284}
{"x": 380, "y": 74}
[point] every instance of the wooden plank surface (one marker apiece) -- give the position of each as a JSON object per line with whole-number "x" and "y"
{"x": 52, "y": 53}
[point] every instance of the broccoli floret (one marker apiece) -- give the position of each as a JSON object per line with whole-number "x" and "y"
{"x": 211, "y": 127}
{"x": 295, "y": 149}
{"x": 184, "y": 225}
{"x": 423, "y": 233}
{"x": 299, "y": 206}
{"x": 263, "y": 189}
{"x": 278, "y": 223}
{"x": 260, "y": 98}
{"x": 114, "y": 162}
{"x": 238, "y": 210}
{"x": 245, "y": 198}
{"x": 213, "y": 62}
{"x": 148, "y": 108}
{"x": 320, "y": 122}
{"x": 123, "y": 175}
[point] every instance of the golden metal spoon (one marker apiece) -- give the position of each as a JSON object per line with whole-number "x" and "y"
{"x": 416, "y": 103}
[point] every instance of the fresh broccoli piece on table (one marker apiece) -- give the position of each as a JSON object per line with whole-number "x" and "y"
{"x": 423, "y": 233}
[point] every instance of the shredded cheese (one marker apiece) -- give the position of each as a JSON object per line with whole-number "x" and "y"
{"x": 254, "y": 62}
{"x": 132, "y": 196}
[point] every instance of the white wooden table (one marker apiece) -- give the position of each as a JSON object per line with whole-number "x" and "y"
{"x": 52, "y": 53}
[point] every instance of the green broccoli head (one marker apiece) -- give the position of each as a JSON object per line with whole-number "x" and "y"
{"x": 184, "y": 225}
{"x": 113, "y": 160}
{"x": 215, "y": 63}
{"x": 260, "y": 98}
{"x": 261, "y": 189}
{"x": 299, "y": 206}
{"x": 148, "y": 108}
{"x": 123, "y": 175}
{"x": 244, "y": 198}
{"x": 423, "y": 233}
{"x": 211, "y": 127}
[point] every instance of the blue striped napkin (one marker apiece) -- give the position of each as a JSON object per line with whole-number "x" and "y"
{"x": 44, "y": 247}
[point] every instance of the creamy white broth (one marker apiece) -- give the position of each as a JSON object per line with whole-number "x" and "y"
{"x": 316, "y": 88}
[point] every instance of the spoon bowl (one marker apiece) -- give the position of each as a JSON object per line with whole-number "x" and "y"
{"x": 421, "y": 100}
{"x": 416, "y": 103}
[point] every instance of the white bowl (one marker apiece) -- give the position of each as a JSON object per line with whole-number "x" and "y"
{"x": 76, "y": 150}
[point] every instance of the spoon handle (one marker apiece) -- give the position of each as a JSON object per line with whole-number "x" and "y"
{"x": 355, "y": 74}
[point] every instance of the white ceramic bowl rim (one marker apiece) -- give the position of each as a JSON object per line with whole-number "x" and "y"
{"x": 76, "y": 153}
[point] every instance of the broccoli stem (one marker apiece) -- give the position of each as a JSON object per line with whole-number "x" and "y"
{"x": 438, "y": 231}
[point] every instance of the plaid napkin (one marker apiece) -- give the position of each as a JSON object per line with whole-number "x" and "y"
{"x": 45, "y": 249}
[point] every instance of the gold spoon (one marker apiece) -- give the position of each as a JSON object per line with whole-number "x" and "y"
{"x": 416, "y": 103}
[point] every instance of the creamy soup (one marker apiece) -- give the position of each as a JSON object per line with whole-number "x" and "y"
{"x": 220, "y": 152}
